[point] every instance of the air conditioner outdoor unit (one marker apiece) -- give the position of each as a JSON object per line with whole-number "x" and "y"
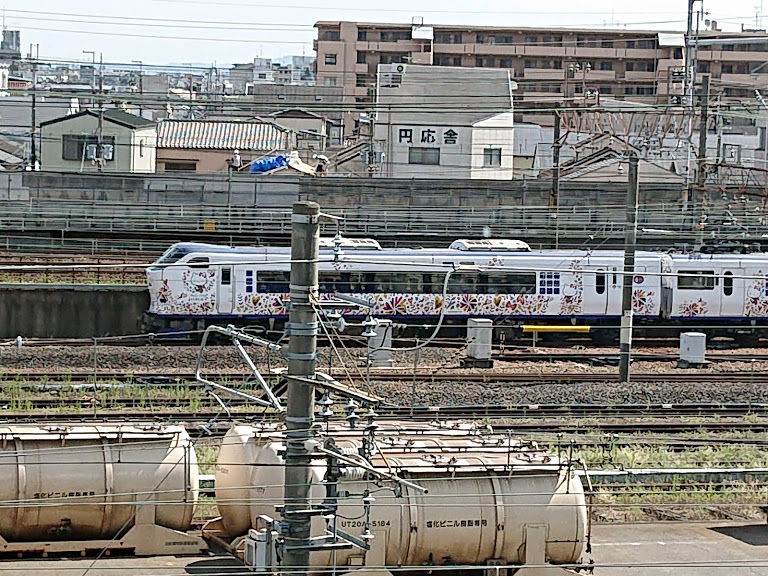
{"x": 107, "y": 152}
{"x": 91, "y": 151}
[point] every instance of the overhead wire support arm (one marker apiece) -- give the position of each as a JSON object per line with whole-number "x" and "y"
{"x": 236, "y": 336}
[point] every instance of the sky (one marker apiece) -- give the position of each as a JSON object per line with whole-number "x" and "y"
{"x": 222, "y": 32}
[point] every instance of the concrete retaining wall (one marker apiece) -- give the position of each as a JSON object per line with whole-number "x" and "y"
{"x": 70, "y": 311}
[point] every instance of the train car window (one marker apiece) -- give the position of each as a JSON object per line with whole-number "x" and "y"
{"x": 273, "y": 281}
{"x": 198, "y": 262}
{"x": 249, "y": 281}
{"x": 549, "y": 283}
{"x": 388, "y": 282}
{"x": 226, "y": 276}
{"x": 728, "y": 283}
{"x": 506, "y": 283}
{"x": 696, "y": 280}
{"x": 463, "y": 283}
{"x": 600, "y": 282}
{"x": 344, "y": 282}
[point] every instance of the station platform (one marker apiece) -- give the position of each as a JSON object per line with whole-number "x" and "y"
{"x": 647, "y": 549}
{"x": 680, "y": 549}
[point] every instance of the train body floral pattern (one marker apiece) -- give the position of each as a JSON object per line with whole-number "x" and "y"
{"x": 693, "y": 308}
{"x": 756, "y": 301}
{"x": 391, "y": 304}
{"x": 643, "y": 302}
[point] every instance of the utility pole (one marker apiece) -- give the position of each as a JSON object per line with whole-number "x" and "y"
{"x": 554, "y": 196}
{"x": 625, "y": 355}
{"x": 302, "y": 361}
{"x": 688, "y": 56}
{"x": 702, "y": 159}
{"x": 141, "y": 86}
{"x": 100, "y": 143}
{"x": 33, "y": 127}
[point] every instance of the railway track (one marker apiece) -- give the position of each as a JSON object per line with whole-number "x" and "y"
{"x": 54, "y": 379}
{"x": 531, "y": 417}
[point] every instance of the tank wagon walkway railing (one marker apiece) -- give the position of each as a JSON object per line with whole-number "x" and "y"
{"x": 382, "y": 222}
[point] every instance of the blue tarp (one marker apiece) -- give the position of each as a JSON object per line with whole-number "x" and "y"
{"x": 267, "y": 164}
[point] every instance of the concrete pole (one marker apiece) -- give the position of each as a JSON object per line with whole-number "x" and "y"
{"x": 302, "y": 360}
{"x": 625, "y": 355}
{"x": 554, "y": 197}
{"x": 702, "y": 159}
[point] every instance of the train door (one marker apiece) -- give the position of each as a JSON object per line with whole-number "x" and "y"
{"x": 613, "y": 290}
{"x": 596, "y": 289}
{"x": 225, "y": 290}
{"x": 733, "y": 290}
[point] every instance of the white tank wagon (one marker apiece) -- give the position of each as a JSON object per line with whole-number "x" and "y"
{"x": 86, "y": 488}
{"x": 490, "y": 500}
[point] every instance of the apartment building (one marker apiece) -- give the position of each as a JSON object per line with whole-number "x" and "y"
{"x": 548, "y": 64}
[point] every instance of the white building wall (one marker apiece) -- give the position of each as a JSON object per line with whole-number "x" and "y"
{"x": 144, "y": 149}
{"x": 124, "y": 153}
{"x": 496, "y": 132}
{"x": 453, "y": 142}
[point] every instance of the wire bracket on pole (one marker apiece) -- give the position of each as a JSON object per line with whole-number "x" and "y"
{"x": 236, "y": 336}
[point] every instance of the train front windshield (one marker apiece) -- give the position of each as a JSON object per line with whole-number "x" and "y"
{"x": 173, "y": 254}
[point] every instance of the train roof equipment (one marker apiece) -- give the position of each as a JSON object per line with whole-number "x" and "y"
{"x": 490, "y": 245}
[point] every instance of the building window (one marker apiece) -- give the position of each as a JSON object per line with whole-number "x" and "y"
{"x": 728, "y": 47}
{"x": 180, "y": 166}
{"x": 457, "y": 61}
{"x": 532, "y": 40}
{"x": 226, "y": 276}
{"x": 430, "y": 156}
{"x": 630, "y": 44}
{"x": 762, "y": 132}
{"x": 448, "y": 38}
{"x": 329, "y": 81}
{"x": 530, "y": 63}
{"x": 646, "y": 44}
{"x": 492, "y": 157}
{"x": 727, "y": 69}
{"x": 606, "y": 44}
{"x": 395, "y": 35}
{"x": 606, "y": 65}
{"x": 481, "y": 62}
{"x": 361, "y": 80}
{"x": 362, "y": 35}
{"x": 549, "y": 283}
{"x": 249, "y": 281}
{"x": 330, "y": 59}
{"x": 704, "y": 67}
{"x": 505, "y": 63}
{"x": 75, "y": 146}
{"x": 486, "y": 39}
{"x": 392, "y": 58}
{"x": 361, "y": 58}
{"x": 331, "y": 35}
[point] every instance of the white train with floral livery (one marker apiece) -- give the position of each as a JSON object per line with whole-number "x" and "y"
{"x": 194, "y": 284}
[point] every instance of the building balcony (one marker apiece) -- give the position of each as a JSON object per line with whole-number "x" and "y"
{"x": 421, "y": 58}
{"x": 540, "y": 74}
{"x": 754, "y": 80}
{"x": 533, "y": 50}
{"x": 723, "y": 56}
{"x": 594, "y": 75}
{"x": 399, "y": 46}
{"x": 637, "y": 75}
{"x": 664, "y": 64}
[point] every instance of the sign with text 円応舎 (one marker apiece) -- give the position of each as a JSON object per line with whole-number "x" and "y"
{"x": 426, "y": 136}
